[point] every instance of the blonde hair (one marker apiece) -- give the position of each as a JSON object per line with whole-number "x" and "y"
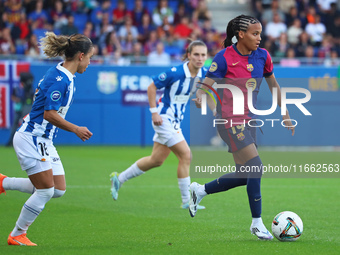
{"x": 60, "y": 45}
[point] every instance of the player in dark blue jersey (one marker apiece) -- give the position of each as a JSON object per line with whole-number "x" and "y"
{"x": 179, "y": 84}
{"x": 33, "y": 142}
{"x": 243, "y": 65}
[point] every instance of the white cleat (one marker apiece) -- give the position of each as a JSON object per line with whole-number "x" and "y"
{"x": 261, "y": 232}
{"x": 186, "y": 206}
{"x": 195, "y": 199}
{"x": 115, "y": 185}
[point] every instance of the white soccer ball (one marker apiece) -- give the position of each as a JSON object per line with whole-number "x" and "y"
{"x": 287, "y": 226}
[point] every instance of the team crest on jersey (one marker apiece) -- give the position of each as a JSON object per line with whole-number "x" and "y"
{"x": 251, "y": 83}
{"x": 56, "y": 95}
{"x": 250, "y": 67}
{"x": 240, "y": 136}
{"x": 107, "y": 82}
{"x": 162, "y": 76}
{"x": 213, "y": 67}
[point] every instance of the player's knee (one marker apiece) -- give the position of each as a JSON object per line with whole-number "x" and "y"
{"x": 157, "y": 162}
{"x": 186, "y": 157}
{"x": 58, "y": 193}
{"x": 45, "y": 194}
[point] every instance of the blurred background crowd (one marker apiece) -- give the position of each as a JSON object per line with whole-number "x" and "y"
{"x": 157, "y": 32}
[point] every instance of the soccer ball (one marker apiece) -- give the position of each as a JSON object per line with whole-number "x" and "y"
{"x": 287, "y": 226}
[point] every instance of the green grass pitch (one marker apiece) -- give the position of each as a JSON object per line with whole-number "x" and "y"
{"x": 147, "y": 219}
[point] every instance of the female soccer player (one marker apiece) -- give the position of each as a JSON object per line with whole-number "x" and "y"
{"x": 178, "y": 83}
{"x": 33, "y": 142}
{"x": 242, "y": 64}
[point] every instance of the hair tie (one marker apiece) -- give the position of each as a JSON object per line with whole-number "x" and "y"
{"x": 69, "y": 41}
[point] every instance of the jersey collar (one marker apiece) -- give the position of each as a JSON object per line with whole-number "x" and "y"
{"x": 65, "y": 71}
{"x": 235, "y": 48}
{"x": 187, "y": 71}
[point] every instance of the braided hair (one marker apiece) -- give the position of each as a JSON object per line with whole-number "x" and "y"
{"x": 240, "y": 23}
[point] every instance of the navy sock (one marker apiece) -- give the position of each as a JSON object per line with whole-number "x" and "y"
{"x": 254, "y": 186}
{"x": 227, "y": 181}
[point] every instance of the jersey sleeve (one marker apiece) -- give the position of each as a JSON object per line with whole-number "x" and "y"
{"x": 55, "y": 95}
{"x": 218, "y": 68}
{"x": 164, "y": 79}
{"x": 268, "y": 67}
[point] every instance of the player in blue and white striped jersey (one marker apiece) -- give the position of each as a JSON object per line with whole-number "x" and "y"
{"x": 58, "y": 83}
{"x": 179, "y": 84}
{"x": 33, "y": 141}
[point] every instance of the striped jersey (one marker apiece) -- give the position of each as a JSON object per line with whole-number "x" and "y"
{"x": 243, "y": 71}
{"x": 54, "y": 92}
{"x": 178, "y": 87}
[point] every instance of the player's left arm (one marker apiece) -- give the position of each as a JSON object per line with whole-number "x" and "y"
{"x": 55, "y": 119}
{"x": 55, "y": 95}
{"x": 272, "y": 83}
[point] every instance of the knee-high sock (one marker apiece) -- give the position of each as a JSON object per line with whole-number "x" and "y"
{"x": 227, "y": 181}
{"x": 183, "y": 184}
{"x": 131, "y": 172}
{"x": 254, "y": 187}
{"x": 58, "y": 193}
{"x": 31, "y": 209}
{"x": 20, "y": 184}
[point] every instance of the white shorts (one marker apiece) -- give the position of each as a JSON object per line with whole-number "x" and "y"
{"x": 169, "y": 133}
{"x": 37, "y": 154}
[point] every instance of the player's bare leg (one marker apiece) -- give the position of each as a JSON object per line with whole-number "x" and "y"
{"x": 59, "y": 185}
{"x": 183, "y": 153}
{"x": 159, "y": 154}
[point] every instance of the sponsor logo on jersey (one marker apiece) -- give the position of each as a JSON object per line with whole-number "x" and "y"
{"x": 162, "y": 76}
{"x": 250, "y": 67}
{"x": 174, "y": 69}
{"x": 251, "y": 83}
{"x": 213, "y": 67}
{"x": 59, "y": 78}
{"x": 56, "y": 95}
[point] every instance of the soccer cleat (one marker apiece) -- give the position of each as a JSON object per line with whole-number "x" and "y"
{"x": 115, "y": 185}
{"x": 195, "y": 199}
{"x": 261, "y": 232}
{"x": 186, "y": 206}
{"x": 2, "y": 177}
{"x": 19, "y": 240}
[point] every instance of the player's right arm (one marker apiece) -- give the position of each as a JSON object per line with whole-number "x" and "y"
{"x": 156, "y": 118}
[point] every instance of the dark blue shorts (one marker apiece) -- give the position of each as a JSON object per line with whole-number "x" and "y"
{"x": 237, "y": 137}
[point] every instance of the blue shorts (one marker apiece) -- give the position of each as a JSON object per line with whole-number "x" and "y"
{"x": 237, "y": 137}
